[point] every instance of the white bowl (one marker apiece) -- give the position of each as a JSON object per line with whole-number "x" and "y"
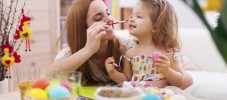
{"x": 138, "y": 93}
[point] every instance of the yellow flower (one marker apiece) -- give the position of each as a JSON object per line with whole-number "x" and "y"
{"x": 213, "y": 5}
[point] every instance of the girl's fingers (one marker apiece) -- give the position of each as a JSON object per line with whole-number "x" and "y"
{"x": 160, "y": 64}
{"x": 159, "y": 60}
{"x": 164, "y": 57}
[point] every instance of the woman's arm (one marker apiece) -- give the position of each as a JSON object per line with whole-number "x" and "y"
{"x": 73, "y": 62}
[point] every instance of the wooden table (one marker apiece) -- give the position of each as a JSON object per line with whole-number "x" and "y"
{"x": 10, "y": 96}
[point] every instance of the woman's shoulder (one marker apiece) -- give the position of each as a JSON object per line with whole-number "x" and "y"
{"x": 65, "y": 52}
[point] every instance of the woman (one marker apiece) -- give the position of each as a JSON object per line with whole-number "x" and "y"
{"x": 90, "y": 41}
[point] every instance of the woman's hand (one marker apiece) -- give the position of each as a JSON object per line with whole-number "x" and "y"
{"x": 94, "y": 35}
{"x": 162, "y": 63}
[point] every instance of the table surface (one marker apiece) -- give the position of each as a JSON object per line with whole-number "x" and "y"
{"x": 10, "y": 96}
{"x": 16, "y": 95}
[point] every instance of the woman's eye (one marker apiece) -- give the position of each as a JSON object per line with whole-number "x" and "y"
{"x": 97, "y": 18}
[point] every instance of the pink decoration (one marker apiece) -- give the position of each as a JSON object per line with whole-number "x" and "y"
{"x": 156, "y": 55}
{"x": 66, "y": 84}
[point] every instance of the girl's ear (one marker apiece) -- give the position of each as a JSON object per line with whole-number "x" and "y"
{"x": 153, "y": 29}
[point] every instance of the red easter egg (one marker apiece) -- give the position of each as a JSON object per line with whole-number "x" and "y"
{"x": 41, "y": 83}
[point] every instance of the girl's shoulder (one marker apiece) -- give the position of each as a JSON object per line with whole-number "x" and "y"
{"x": 130, "y": 52}
{"x": 64, "y": 53}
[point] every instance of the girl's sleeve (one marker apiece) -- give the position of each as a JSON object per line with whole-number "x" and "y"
{"x": 184, "y": 60}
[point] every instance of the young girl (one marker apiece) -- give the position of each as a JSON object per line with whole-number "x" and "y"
{"x": 154, "y": 23}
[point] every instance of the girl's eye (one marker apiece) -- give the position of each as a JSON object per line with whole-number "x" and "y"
{"x": 139, "y": 16}
{"x": 131, "y": 16}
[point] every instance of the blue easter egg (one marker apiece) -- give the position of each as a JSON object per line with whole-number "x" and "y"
{"x": 58, "y": 91}
{"x": 152, "y": 97}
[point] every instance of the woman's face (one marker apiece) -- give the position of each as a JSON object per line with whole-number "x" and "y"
{"x": 98, "y": 12}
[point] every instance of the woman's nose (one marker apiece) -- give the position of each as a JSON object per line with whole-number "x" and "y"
{"x": 108, "y": 19}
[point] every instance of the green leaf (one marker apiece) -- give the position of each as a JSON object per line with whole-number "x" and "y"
{"x": 223, "y": 16}
{"x": 220, "y": 41}
{"x": 219, "y": 35}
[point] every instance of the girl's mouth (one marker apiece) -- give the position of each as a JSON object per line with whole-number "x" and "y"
{"x": 132, "y": 26}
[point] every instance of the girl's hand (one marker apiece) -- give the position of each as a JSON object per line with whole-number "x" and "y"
{"x": 162, "y": 63}
{"x": 94, "y": 35}
{"x": 109, "y": 65}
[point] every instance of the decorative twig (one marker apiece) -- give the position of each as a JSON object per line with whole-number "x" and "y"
{"x": 12, "y": 23}
{"x": 1, "y": 15}
{"x": 18, "y": 46}
{"x": 7, "y": 18}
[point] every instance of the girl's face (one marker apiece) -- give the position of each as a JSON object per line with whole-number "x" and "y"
{"x": 140, "y": 22}
{"x": 98, "y": 12}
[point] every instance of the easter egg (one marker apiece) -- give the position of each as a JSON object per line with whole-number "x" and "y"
{"x": 50, "y": 87}
{"x": 147, "y": 85}
{"x": 152, "y": 97}
{"x": 67, "y": 85}
{"x": 41, "y": 83}
{"x": 38, "y": 93}
{"x": 58, "y": 91}
{"x": 154, "y": 91}
{"x": 156, "y": 55}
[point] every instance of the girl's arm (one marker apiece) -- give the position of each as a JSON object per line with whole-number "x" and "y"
{"x": 127, "y": 69}
{"x": 115, "y": 75}
{"x": 174, "y": 74}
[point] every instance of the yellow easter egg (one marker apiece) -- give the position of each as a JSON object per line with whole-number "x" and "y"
{"x": 38, "y": 93}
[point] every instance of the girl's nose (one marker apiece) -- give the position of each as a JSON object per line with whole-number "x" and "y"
{"x": 131, "y": 19}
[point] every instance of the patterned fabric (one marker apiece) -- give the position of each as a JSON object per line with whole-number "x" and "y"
{"x": 144, "y": 70}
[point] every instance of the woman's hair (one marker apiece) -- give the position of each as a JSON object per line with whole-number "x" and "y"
{"x": 164, "y": 22}
{"x": 76, "y": 28}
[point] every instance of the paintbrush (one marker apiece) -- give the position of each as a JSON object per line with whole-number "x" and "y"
{"x": 115, "y": 65}
{"x": 118, "y": 22}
